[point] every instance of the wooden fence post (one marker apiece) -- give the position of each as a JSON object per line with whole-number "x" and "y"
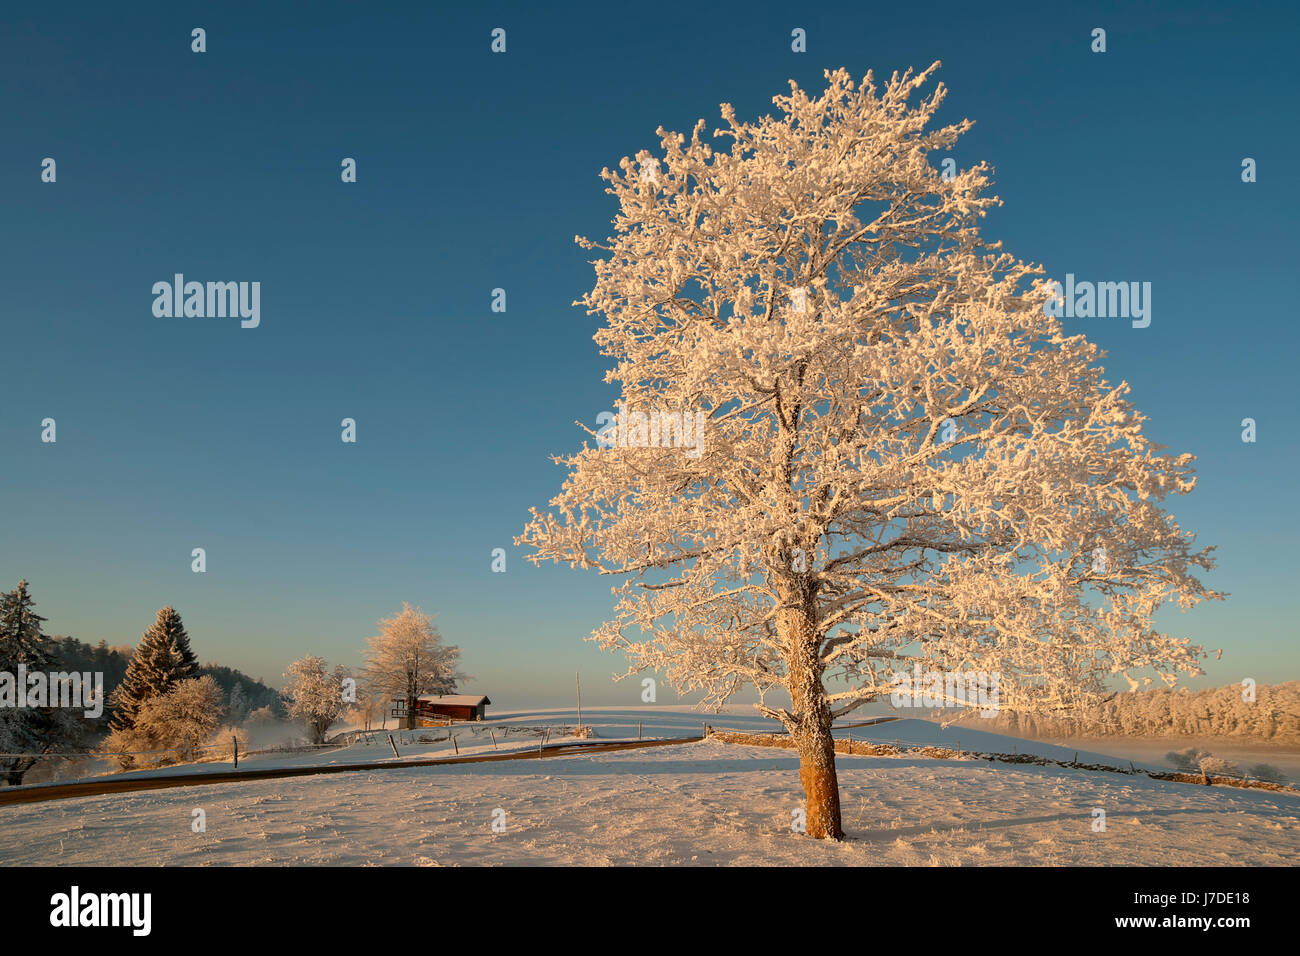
{"x": 494, "y": 738}
{"x": 234, "y": 744}
{"x": 393, "y": 745}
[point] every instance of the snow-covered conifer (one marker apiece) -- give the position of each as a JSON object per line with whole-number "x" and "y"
{"x": 28, "y": 733}
{"x": 162, "y": 658}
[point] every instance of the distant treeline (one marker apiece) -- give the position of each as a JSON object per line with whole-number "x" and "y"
{"x": 243, "y": 694}
{"x": 1274, "y": 715}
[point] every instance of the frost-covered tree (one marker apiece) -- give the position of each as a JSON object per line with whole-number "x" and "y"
{"x": 21, "y": 639}
{"x": 180, "y": 719}
{"x": 162, "y": 658}
{"x": 239, "y": 705}
{"x": 1266, "y": 772}
{"x": 905, "y": 460}
{"x": 314, "y": 695}
{"x": 1211, "y": 766}
{"x": 408, "y": 658}
{"x": 29, "y": 733}
{"x": 369, "y": 706}
{"x": 183, "y": 718}
{"x": 1189, "y": 759}
{"x": 261, "y": 717}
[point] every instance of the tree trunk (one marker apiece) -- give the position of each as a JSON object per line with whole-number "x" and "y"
{"x": 811, "y": 731}
{"x": 821, "y": 785}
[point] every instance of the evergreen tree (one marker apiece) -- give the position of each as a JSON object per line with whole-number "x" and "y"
{"x": 162, "y": 659}
{"x": 238, "y": 706}
{"x": 21, "y": 640}
{"x": 29, "y": 732}
{"x": 170, "y": 621}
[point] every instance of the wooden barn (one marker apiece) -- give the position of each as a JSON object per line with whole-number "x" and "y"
{"x": 438, "y": 708}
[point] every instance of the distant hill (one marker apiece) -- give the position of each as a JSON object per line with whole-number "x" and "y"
{"x": 243, "y": 693}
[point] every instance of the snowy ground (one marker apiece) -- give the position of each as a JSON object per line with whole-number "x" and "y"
{"x": 523, "y": 730}
{"x": 704, "y": 803}
{"x": 1152, "y": 751}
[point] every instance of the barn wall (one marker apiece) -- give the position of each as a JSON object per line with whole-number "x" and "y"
{"x": 444, "y": 711}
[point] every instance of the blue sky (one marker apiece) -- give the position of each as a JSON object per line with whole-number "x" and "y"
{"x": 475, "y": 171}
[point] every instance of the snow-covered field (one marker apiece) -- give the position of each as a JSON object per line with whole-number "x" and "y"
{"x": 522, "y": 730}
{"x": 702, "y": 803}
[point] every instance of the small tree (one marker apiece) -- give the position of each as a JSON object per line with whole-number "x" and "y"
{"x": 369, "y": 705}
{"x": 1218, "y": 766}
{"x": 261, "y": 717}
{"x": 180, "y": 719}
{"x": 183, "y": 718}
{"x": 408, "y": 659}
{"x": 1266, "y": 772}
{"x": 315, "y": 696}
{"x": 239, "y": 705}
{"x": 902, "y": 457}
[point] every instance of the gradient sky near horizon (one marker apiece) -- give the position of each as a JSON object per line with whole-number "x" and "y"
{"x": 475, "y": 171}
